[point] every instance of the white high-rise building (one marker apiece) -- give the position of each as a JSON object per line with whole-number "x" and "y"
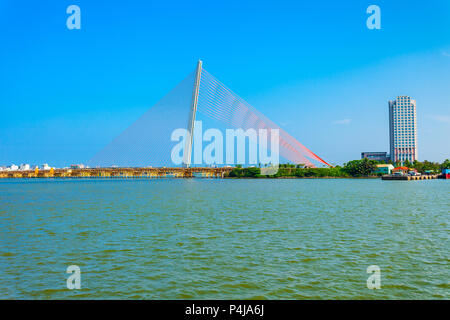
{"x": 403, "y": 129}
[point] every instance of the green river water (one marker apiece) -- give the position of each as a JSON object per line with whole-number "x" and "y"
{"x": 224, "y": 238}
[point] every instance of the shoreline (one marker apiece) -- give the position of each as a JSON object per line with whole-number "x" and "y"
{"x": 290, "y": 177}
{"x": 170, "y": 177}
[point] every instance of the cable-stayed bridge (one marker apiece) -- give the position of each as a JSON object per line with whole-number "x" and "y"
{"x": 149, "y": 140}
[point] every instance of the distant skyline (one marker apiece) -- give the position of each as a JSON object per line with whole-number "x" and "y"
{"x": 313, "y": 68}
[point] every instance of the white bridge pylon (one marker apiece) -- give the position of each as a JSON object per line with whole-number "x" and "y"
{"x": 192, "y": 113}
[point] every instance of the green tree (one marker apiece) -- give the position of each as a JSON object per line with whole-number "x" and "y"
{"x": 407, "y": 163}
{"x": 418, "y": 166}
{"x": 363, "y": 167}
{"x": 252, "y": 172}
{"x": 445, "y": 164}
{"x": 428, "y": 165}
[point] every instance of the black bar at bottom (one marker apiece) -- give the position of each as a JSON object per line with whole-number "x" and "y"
{"x": 220, "y": 309}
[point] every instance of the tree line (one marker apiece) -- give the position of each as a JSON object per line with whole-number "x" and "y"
{"x": 354, "y": 168}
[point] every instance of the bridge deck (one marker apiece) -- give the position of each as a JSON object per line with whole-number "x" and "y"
{"x": 119, "y": 173}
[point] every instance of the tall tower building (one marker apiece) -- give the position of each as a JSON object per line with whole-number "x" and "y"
{"x": 403, "y": 129}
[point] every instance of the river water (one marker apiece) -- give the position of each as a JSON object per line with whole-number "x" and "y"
{"x": 224, "y": 239}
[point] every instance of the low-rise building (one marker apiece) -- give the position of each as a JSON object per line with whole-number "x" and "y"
{"x": 45, "y": 167}
{"x": 24, "y": 167}
{"x": 400, "y": 170}
{"x": 13, "y": 167}
{"x": 377, "y": 156}
{"x": 384, "y": 168}
{"x": 77, "y": 166}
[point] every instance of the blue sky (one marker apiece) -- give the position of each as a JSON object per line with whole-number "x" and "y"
{"x": 311, "y": 66}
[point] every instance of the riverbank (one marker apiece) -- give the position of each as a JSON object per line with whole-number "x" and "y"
{"x": 292, "y": 172}
{"x": 293, "y": 177}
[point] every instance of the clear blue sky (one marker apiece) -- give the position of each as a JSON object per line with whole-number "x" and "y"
{"x": 311, "y": 66}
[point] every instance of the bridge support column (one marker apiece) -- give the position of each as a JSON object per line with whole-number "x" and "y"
{"x": 193, "y": 111}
